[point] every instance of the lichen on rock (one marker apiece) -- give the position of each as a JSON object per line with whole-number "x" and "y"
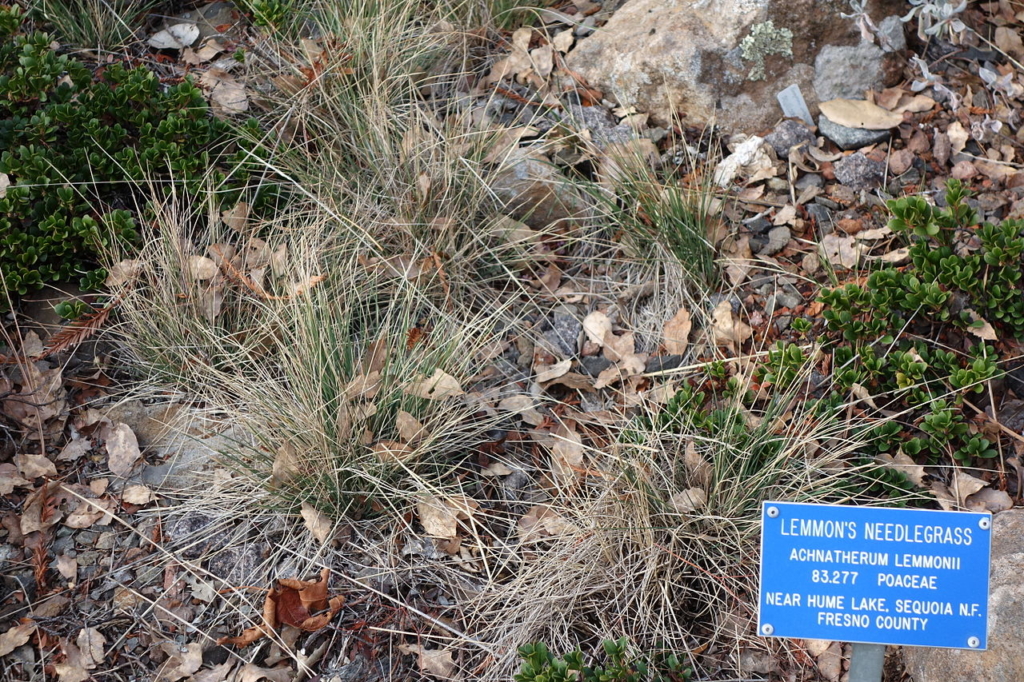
{"x": 764, "y": 39}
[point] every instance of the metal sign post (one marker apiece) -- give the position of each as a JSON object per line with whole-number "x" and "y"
{"x": 875, "y": 577}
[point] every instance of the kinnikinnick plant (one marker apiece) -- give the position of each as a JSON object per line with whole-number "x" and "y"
{"x": 894, "y": 336}
{"x": 81, "y": 150}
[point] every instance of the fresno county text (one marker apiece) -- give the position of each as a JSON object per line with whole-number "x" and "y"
{"x": 866, "y": 574}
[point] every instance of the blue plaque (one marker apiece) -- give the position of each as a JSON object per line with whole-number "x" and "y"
{"x": 874, "y": 575}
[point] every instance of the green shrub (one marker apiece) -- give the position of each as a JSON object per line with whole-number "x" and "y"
{"x": 540, "y": 665}
{"x": 78, "y": 147}
{"x": 960, "y": 275}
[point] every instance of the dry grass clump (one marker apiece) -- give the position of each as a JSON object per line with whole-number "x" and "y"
{"x": 660, "y": 541}
{"x": 342, "y": 335}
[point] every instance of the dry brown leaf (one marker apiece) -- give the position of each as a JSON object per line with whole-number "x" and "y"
{"x": 226, "y": 94}
{"x": 943, "y": 496}
{"x": 436, "y": 662}
{"x": 90, "y": 512}
{"x": 689, "y": 501}
{"x": 286, "y": 465}
{"x": 123, "y": 272}
{"x": 122, "y": 450}
{"x": 563, "y": 41}
{"x": 40, "y": 399}
{"x": 726, "y": 328}
{"x": 35, "y": 466}
{"x": 66, "y": 566}
{"x": 175, "y": 37}
{"x": 986, "y": 331}
{"x": 182, "y": 661}
{"x": 915, "y": 104}
{"x": 74, "y": 449}
{"x": 218, "y": 673}
{"x": 546, "y": 373}
{"x": 965, "y": 485}
{"x": 438, "y": 386}
{"x": 410, "y": 429}
{"x": 619, "y": 348}
{"x": 90, "y": 643}
{"x": 700, "y": 469}
{"x": 11, "y": 479}
{"x": 15, "y": 637}
{"x": 542, "y": 522}
{"x": 524, "y": 406}
{"x": 138, "y": 495}
{"x": 677, "y": 332}
{"x": 859, "y": 113}
{"x": 903, "y": 463}
{"x": 1009, "y": 41}
{"x": 210, "y": 49}
{"x": 989, "y": 499}
{"x": 566, "y": 453}
{"x": 597, "y": 325}
{"x": 392, "y": 451}
{"x": 440, "y": 517}
{"x": 958, "y": 136}
{"x": 317, "y": 523}
{"x": 201, "y": 268}
{"x": 250, "y": 672}
{"x": 842, "y": 252}
{"x": 738, "y": 258}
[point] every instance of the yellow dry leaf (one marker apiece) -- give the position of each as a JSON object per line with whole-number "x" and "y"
{"x": 286, "y": 465}
{"x": 201, "y": 268}
{"x": 392, "y": 450}
{"x": 728, "y": 330}
{"x": 436, "y": 662}
{"x": 410, "y": 429}
{"x": 677, "y": 332}
{"x": 438, "y": 386}
{"x": 15, "y": 637}
{"x": 597, "y": 325}
{"x": 689, "y": 501}
{"x": 440, "y": 517}
{"x": 566, "y": 454}
{"x": 859, "y": 113}
{"x": 35, "y": 466}
{"x": 138, "y": 495}
{"x": 317, "y": 523}
{"x": 122, "y": 450}
{"x": 547, "y": 373}
{"x": 299, "y": 288}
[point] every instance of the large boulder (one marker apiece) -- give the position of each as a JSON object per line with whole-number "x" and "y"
{"x": 1004, "y": 659}
{"x": 725, "y": 60}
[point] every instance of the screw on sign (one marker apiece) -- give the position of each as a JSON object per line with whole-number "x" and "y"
{"x": 874, "y": 577}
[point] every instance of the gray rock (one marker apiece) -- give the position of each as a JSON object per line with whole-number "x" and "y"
{"x": 564, "y": 334}
{"x": 822, "y": 216}
{"x": 847, "y": 71}
{"x": 788, "y": 134}
{"x": 778, "y": 239}
{"x": 535, "y": 192}
{"x": 717, "y": 59}
{"x": 604, "y": 128}
{"x": 859, "y": 172}
{"x": 594, "y": 365}
{"x": 661, "y": 363}
{"x": 810, "y": 180}
{"x": 850, "y": 138}
{"x": 758, "y": 225}
{"x": 891, "y": 35}
{"x": 1004, "y": 659}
